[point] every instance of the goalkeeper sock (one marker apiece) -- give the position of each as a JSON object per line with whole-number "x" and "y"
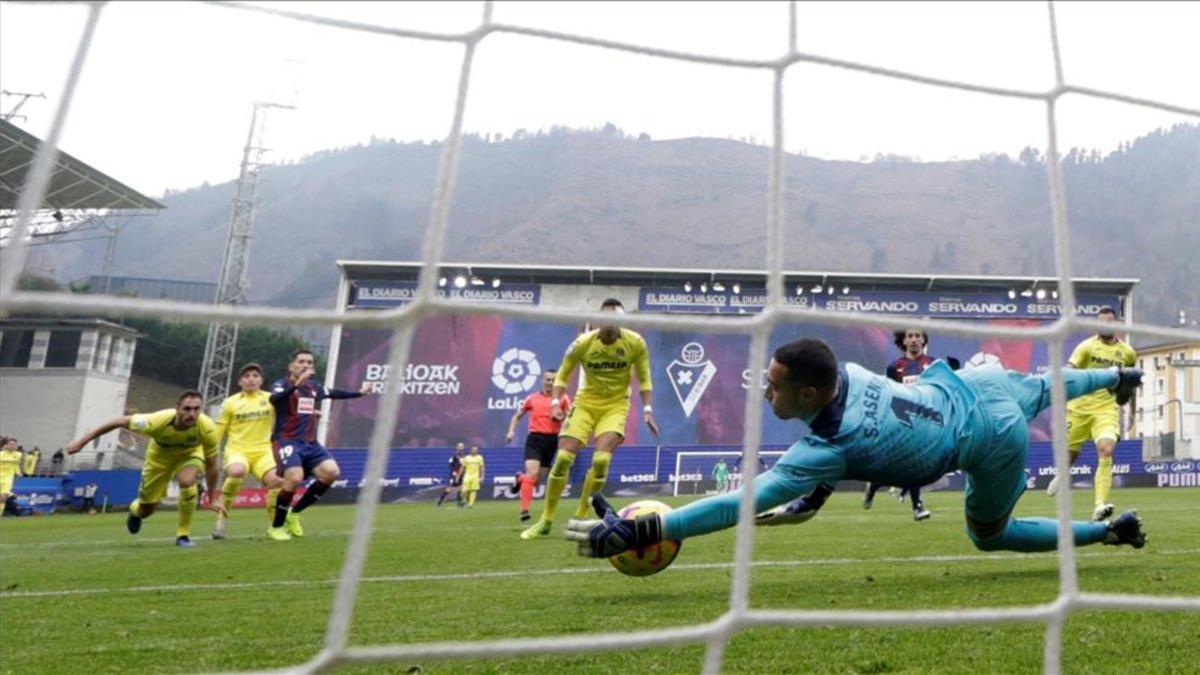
{"x": 528, "y": 483}
{"x": 272, "y": 496}
{"x": 559, "y": 473}
{"x": 136, "y": 509}
{"x": 188, "y": 497}
{"x": 283, "y": 504}
{"x": 1029, "y": 535}
{"x": 471, "y": 497}
{"x": 311, "y": 495}
{"x": 229, "y": 491}
{"x": 1104, "y": 470}
{"x": 593, "y": 482}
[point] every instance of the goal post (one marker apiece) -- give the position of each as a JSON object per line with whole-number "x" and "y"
{"x": 694, "y": 470}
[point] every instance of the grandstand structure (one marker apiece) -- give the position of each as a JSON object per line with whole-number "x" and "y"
{"x": 481, "y": 367}
{"x": 80, "y": 202}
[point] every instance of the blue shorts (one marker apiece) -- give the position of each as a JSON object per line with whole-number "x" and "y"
{"x": 291, "y": 454}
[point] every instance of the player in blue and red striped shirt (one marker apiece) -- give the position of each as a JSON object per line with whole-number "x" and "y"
{"x": 297, "y": 401}
{"x": 907, "y": 370}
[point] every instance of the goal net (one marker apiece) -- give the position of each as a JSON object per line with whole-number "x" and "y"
{"x": 715, "y": 635}
{"x": 700, "y": 472}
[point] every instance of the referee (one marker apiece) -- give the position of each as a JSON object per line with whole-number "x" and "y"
{"x": 542, "y": 441}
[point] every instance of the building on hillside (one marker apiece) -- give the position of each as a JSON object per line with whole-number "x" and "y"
{"x": 155, "y": 289}
{"x": 62, "y": 377}
{"x": 1168, "y": 405}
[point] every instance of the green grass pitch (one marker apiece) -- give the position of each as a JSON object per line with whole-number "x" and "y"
{"x": 137, "y": 604}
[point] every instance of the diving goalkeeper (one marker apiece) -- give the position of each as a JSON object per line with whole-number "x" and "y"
{"x": 866, "y": 427}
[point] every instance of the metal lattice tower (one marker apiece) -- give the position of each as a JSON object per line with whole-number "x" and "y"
{"x": 219, "y": 352}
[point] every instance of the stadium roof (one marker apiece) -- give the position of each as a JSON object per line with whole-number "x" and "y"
{"x": 565, "y": 274}
{"x": 73, "y": 184}
{"x": 43, "y": 323}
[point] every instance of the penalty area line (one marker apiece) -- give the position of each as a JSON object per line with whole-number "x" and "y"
{"x": 459, "y": 576}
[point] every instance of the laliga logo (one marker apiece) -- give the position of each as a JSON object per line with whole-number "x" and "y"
{"x": 515, "y": 371}
{"x": 691, "y": 376}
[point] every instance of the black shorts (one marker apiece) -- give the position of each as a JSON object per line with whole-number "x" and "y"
{"x": 541, "y": 447}
{"x": 455, "y": 481}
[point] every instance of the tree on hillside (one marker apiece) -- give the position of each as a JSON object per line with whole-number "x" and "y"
{"x": 173, "y": 351}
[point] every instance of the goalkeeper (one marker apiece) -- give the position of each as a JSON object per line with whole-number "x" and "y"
{"x": 720, "y": 474}
{"x": 866, "y": 427}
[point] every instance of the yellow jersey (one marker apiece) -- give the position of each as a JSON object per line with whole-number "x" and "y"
{"x": 10, "y": 463}
{"x": 246, "y": 421}
{"x": 165, "y": 438}
{"x": 472, "y": 466}
{"x": 608, "y": 369}
{"x": 1095, "y": 353}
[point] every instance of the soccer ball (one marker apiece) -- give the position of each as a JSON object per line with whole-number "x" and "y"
{"x": 643, "y": 562}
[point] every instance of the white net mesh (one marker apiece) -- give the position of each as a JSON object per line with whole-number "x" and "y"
{"x": 717, "y": 633}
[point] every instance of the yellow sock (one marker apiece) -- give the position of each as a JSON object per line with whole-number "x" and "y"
{"x": 272, "y": 496}
{"x": 559, "y": 473}
{"x": 596, "y": 476}
{"x": 471, "y": 497}
{"x": 136, "y": 508}
{"x": 229, "y": 491}
{"x": 1103, "y": 479}
{"x": 187, "y": 508}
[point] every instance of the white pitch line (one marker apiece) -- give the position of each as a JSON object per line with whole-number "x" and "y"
{"x": 12, "y": 548}
{"x": 459, "y": 576}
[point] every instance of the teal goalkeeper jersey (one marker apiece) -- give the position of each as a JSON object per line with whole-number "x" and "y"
{"x": 875, "y": 429}
{"x": 880, "y": 430}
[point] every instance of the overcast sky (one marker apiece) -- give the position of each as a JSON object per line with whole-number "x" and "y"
{"x": 165, "y": 97}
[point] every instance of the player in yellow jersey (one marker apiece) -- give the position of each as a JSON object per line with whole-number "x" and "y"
{"x": 29, "y": 465}
{"x": 182, "y": 440}
{"x": 10, "y": 468}
{"x": 1096, "y": 417}
{"x": 245, "y": 425}
{"x": 472, "y": 475}
{"x": 609, "y": 355}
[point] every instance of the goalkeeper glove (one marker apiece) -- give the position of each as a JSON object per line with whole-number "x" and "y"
{"x": 612, "y": 534}
{"x": 796, "y": 511}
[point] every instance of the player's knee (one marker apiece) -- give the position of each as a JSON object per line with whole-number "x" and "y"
{"x": 992, "y": 543}
{"x": 235, "y": 471}
{"x": 562, "y": 464}
{"x": 987, "y": 536}
{"x": 600, "y": 462}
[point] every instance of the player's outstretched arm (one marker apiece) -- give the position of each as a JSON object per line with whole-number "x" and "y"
{"x": 115, "y": 423}
{"x": 611, "y": 535}
{"x": 648, "y": 411}
{"x": 346, "y": 393}
{"x": 512, "y": 425}
{"x": 798, "y": 511}
{"x": 212, "y": 474}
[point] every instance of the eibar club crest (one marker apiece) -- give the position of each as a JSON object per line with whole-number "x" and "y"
{"x": 690, "y": 376}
